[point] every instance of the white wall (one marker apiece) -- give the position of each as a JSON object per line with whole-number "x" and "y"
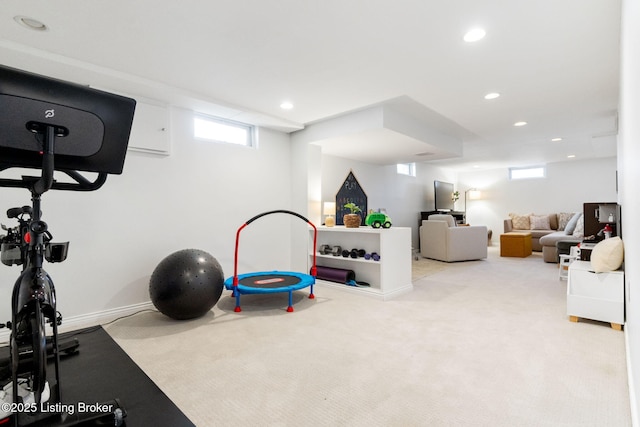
{"x": 566, "y": 187}
{"x": 628, "y": 154}
{"x": 195, "y": 198}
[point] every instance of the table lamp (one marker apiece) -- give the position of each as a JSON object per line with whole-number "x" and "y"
{"x": 329, "y": 210}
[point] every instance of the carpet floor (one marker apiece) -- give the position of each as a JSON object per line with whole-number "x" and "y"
{"x": 481, "y": 343}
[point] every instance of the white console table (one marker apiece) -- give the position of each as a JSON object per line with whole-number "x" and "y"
{"x": 388, "y": 277}
{"x": 595, "y": 296}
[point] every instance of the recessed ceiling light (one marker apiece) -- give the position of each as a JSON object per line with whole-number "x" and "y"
{"x": 474, "y": 35}
{"x": 519, "y": 124}
{"x": 556, "y": 139}
{"x": 30, "y": 23}
{"x": 286, "y": 105}
{"x": 571, "y": 156}
{"x": 492, "y": 95}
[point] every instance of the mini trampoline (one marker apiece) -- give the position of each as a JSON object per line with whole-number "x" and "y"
{"x": 270, "y": 282}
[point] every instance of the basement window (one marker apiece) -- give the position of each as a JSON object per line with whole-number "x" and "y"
{"x": 216, "y": 129}
{"x": 525, "y": 173}
{"x": 406, "y": 169}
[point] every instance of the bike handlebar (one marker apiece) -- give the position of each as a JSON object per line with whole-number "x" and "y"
{"x": 39, "y": 185}
{"x": 81, "y": 184}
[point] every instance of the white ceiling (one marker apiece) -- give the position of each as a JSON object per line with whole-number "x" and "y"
{"x": 555, "y": 63}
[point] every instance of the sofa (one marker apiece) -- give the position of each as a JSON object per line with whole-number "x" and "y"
{"x": 442, "y": 239}
{"x": 547, "y": 230}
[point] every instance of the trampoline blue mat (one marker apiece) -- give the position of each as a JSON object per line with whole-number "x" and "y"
{"x": 267, "y": 282}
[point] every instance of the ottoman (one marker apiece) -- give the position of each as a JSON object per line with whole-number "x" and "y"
{"x": 515, "y": 244}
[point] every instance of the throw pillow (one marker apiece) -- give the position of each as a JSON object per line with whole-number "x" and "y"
{"x": 520, "y": 222}
{"x": 540, "y": 222}
{"x": 563, "y": 219}
{"x": 571, "y": 225}
{"x": 607, "y": 255}
{"x": 579, "y": 230}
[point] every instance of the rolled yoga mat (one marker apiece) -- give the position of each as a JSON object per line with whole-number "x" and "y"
{"x": 339, "y": 275}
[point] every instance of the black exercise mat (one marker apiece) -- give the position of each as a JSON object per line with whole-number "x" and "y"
{"x": 101, "y": 371}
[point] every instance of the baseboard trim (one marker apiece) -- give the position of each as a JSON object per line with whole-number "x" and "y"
{"x": 92, "y": 319}
{"x": 102, "y": 317}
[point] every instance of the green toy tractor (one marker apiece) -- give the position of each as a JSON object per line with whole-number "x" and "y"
{"x": 377, "y": 220}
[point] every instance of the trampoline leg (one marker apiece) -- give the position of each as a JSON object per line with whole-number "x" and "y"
{"x": 290, "y": 308}
{"x": 311, "y": 296}
{"x": 237, "y": 309}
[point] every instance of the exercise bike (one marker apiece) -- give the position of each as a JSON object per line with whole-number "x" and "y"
{"x": 94, "y": 128}
{"x": 35, "y": 302}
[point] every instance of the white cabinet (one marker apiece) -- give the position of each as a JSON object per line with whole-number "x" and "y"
{"x": 388, "y": 277}
{"x": 596, "y": 296}
{"x": 150, "y": 129}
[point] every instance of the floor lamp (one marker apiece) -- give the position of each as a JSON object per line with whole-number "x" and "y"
{"x": 474, "y": 194}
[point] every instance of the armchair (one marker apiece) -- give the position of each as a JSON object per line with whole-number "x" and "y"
{"x": 442, "y": 240}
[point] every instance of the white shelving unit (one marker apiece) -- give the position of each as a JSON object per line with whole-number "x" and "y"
{"x": 389, "y": 277}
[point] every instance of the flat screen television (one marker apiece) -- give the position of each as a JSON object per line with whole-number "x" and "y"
{"x": 443, "y": 200}
{"x": 92, "y": 127}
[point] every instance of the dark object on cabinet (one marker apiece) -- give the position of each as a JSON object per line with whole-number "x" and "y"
{"x": 596, "y": 216}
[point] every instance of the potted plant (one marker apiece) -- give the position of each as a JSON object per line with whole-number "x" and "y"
{"x": 352, "y": 219}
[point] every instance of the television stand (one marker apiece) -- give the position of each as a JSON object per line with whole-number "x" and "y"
{"x": 458, "y": 215}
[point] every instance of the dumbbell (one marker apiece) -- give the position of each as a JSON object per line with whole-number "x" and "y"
{"x": 372, "y": 256}
{"x": 357, "y": 253}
